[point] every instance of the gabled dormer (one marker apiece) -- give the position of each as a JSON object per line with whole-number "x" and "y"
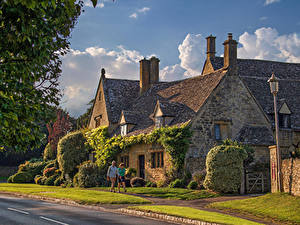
{"x": 128, "y": 121}
{"x": 284, "y": 115}
{"x": 163, "y": 114}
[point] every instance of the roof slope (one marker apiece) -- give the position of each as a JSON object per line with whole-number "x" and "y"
{"x": 255, "y": 74}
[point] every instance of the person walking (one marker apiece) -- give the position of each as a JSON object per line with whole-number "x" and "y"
{"x": 121, "y": 177}
{"x": 112, "y": 174}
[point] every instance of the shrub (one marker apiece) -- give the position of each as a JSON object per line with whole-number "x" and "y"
{"x": 59, "y": 181}
{"x": 192, "y": 185}
{"x": 9, "y": 180}
{"x": 43, "y": 180}
{"x": 71, "y": 152}
{"x": 50, "y": 180}
{"x": 48, "y": 172}
{"x": 52, "y": 163}
{"x": 22, "y": 177}
{"x": 199, "y": 177}
{"x": 137, "y": 182}
{"x": 130, "y": 172}
{"x": 178, "y": 183}
{"x": 151, "y": 184}
{"x": 161, "y": 183}
{"x": 224, "y": 165}
{"x": 89, "y": 175}
{"x": 34, "y": 168}
{"x": 49, "y": 153}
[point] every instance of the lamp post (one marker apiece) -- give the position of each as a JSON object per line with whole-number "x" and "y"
{"x": 274, "y": 90}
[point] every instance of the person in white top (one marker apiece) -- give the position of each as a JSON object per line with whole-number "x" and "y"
{"x": 112, "y": 174}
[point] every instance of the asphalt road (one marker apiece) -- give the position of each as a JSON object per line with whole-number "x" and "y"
{"x": 18, "y": 211}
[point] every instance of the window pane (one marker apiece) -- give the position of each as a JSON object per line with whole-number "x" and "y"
{"x": 162, "y": 159}
{"x": 158, "y": 159}
{"x": 217, "y": 132}
{"x": 152, "y": 160}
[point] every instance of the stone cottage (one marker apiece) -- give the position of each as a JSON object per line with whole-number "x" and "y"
{"x": 230, "y": 99}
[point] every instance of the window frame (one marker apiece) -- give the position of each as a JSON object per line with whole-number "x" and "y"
{"x": 157, "y": 159}
{"x": 125, "y": 159}
{"x": 123, "y": 129}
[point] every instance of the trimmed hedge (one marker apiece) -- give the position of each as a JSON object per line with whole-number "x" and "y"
{"x": 192, "y": 185}
{"x": 49, "y": 153}
{"x": 224, "y": 165}
{"x": 178, "y": 183}
{"x": 21, "y": 177}
{"x": 71, "y": 152}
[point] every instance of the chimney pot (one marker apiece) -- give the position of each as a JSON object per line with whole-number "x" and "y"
{"x": 230, "y": 54}
{"x": 229, "y": 36}
{"x": 211, "y": 46}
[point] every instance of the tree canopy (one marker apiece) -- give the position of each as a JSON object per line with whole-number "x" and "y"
{"x": 33, "y": 36}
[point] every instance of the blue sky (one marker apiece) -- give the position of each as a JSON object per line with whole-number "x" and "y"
{"x": 115, "y": 35}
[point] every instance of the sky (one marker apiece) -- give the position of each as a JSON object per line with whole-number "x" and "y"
{"x": 117, "y": 34}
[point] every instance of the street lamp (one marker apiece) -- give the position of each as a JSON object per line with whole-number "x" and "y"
{"x": 274, "y": 90}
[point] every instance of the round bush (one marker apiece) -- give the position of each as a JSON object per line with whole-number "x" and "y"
{"x": 137, "y": 182}
{"x": 178, "y": 183}
{"x": 49, "y": 153}
{"x": 50, "y": 180}
{"x": 34, "y": 168}
{"x": 89, "y": 175}
{"x": 192, "y": 185}
{"x": 22, "y": 177}
{"x": 71, "y": 152}
{"x": 224, "y": 165}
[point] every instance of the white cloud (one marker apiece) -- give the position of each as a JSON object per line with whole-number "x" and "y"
{"x": 170, "y": 73}
{"x": 267, "y": 44}
{"x": 81, "y": 73}
{"x": 263, "y": 18}
{"x": 268, "y": 2}
{"x": 139, "y": 11}
{"x": 88, "y": 3}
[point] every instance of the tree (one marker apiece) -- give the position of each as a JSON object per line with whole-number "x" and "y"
{"x": 83, "y": 120}
{"x": 33, "y": 35}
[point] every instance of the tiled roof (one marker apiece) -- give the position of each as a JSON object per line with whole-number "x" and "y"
{"x": 119, "y": 95}
{"x": 255, "y": 74}
{"x": 131, "y": 117}
{"x": 253, "y": 135}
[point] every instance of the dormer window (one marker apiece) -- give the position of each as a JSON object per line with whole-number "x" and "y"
{"x": 159, "y": 122}
{"x": 124, "y": 129}
{"x": 98, "y": 120}
{"x": 284, "y": 120}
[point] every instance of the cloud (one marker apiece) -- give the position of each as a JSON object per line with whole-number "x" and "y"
{"x": 81, "y": 73}
{"x": 268, "y": 2}
{"x": 263, "y": 18}
{"x": 88, "y": 3}
{"x": 170, "y": 73}
{"x": 267, "y": 44}
{"x": 138, "y": 12}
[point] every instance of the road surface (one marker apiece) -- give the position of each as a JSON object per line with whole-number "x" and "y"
{"x": 18, "y": 211}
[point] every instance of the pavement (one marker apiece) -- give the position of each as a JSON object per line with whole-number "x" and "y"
{"x": 19, "y": 211}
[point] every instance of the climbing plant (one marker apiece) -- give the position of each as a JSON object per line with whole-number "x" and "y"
{"x": 174, "y": 139}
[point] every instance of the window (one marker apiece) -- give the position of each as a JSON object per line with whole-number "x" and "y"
{"x": 217, "y": 132}
{"x": 125, "y": 160}
{"x": 100, "y": 96}
{"x": 159, "y": 122}
{"x": 123, "y": 129}
{"x": 157, "y": 159}
{"x": 284, "y": 120}
{"x": 98, "y": 120}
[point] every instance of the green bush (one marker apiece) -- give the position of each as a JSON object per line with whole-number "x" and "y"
{"x": 22, "y": 177}
{"x": 50, "y": 180}
{"x": 199, "y": 177}
{"x": 151, "y": 184}
{"x": 130, "y": 172}
{"x": 38, "y": 179}
{"x": 52, "y": 163}
{"x": 137, "y": 182}
{"x": 192, "y": 185}
{"x": 34, "y": 168}
{"x": 49, "y": 172}
{"x": 224, "y": 165}
{"x": 59, "y": 181}
{"x": 71, "y": 152}
{"x": 89, "y": 175}
{"x": 9, "y": 180}
{"x": 49, "y": 153}
{"x": 178, "y": 183}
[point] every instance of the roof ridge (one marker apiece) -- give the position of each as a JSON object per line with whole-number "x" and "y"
{"x": 263, "y": 60}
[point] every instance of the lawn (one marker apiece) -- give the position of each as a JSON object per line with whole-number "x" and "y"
{"x": 83, "y": 196}
{"x": 196, "y": 214}
{"x": 278, "y": 206}
{"x": 170, "y": 193}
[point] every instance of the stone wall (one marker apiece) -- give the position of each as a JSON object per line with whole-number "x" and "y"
{"x": 6, "y": 171}
{"x": 151, "y": 174}
{"x": 230, "y": 103}
{"x": 290, "y": 170}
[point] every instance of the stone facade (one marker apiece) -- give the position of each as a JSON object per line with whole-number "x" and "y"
{"x": 232, "y": 105}
{"x": 291, "y": 176}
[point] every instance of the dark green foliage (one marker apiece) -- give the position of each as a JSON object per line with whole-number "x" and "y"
{"x": 89, "y": 175}
{"x": 9, "y": 180}
{"x": 50, "y": 180}
{"x": 49, "y": 172}
{"x": 151, "y": 184}
{"x": 59, "y": 181}
{"x": 199, "y": 177}
{"x": 38, "y": 179}
{"x": 130, "y": 172}
{"x": 192, "y": 185}
{"x": 34, "y": 169}
{"x": 178, "y": 183}
{"x": 49, "y": 153}
{"x": 71, "y": 152}
{"x": 224, "y": 165}
{"x": 22, "y": 177}
{"x": 137, "y": 182}
{"x": 34, "y": 34}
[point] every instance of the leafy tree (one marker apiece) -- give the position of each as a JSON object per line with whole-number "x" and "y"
{"x": 34, "y": 33}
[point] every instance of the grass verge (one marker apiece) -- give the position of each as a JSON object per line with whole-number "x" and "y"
{"x": 196, "y": 214}
{"x": 278, "y": 206}
{"x": 82, "y": 196}
{"x": 170, "y": 193}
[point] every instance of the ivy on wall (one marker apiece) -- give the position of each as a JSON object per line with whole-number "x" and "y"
{"x": 174, "y": 139}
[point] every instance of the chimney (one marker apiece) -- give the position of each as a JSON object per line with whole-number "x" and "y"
{"x": 211, "y": 46}
{"x": 144, "y": 75}
{"x": 154, "y": 70}
{"x": 230, "y": 53}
